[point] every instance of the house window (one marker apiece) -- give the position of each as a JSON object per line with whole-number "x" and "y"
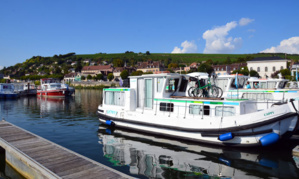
{"x": 251, "y": 68}
{"x": 266, "y": 69}
{"x": 281, "y": 68}
{"x": 166, "y": 107}
{"x": 273, "y": 69}
{"x": 258, "y": 69}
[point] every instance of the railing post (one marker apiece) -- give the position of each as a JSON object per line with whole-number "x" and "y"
{"x": 202, "y": 111}
{"x": 185, "y": 109}
{"x": 222, "y": 111}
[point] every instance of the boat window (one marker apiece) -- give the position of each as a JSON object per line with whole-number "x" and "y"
{"x": 282, "y": 84}
{"x": 184, "y": 84}
{"x": 166, "y": 107}
{"x": 258, "y": 96}
{"x": 160, "y": 82}
{"x": 195, "y": 109}
{"x": 206, "y": 110}
{"x": 114, "y": 98}
{"x": 263, "y": 85}
{"x": 171, "y": 85}
{"x": 241, "y": 82}
{"x": 227, "y": 111}
{"x": 271, "y": 84}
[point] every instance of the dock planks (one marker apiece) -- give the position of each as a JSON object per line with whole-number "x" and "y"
{"x": 57, "y": 159}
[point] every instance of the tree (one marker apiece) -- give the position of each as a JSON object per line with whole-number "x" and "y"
{"x": 118, "y": 63}
{"x": 228, "y": 61}
{"x": 124, "y": 74}
{"x": 147, "y": 53}
{"x": 83, "y": 78}
{"x": 110, "y": 76}
{"x": 205, "y": 67}
{"x": 254, "y": 73}
{"x": 99, "y": 77}
{"x": 137, "y": 73}
{"x": 89, "y": 77}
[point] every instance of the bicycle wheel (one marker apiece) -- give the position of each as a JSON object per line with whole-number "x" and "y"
{"x": 191, "y": 91}
{"x": 220, "y": 92}
{"x": 213, "y": 92}
{"x": 198, "y": 92}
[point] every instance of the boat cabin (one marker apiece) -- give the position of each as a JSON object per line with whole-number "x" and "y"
{"x": 167, "y": 94}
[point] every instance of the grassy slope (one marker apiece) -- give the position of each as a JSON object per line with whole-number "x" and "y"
{"x": 187, "y": 58}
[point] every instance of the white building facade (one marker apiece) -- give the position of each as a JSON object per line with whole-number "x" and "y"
{"x": 266, "y": 66}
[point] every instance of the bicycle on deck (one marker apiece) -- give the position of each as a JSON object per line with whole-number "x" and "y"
{"x": 205, "y": 90}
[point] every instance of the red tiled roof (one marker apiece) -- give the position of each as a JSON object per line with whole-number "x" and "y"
{"x": 100, "y": 67}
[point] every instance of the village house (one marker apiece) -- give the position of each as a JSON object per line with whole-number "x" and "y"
{"x": 266, "y": 66}
{"x": 117, "y": 71}
{"x": 72, "y": 77}
{"x": 87, "y": 61}
{"x": 228, "y": 68}
{"x": 150, "y": 66}
{"x": 94, "y": 70}
{"x": 74, "y": 63}
{"x": 192, "y": 66}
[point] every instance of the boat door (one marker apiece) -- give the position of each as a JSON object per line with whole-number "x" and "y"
{"x": 148, "y": 98}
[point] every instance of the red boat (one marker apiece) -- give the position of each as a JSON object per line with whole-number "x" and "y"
{"x": 52, "y": 88}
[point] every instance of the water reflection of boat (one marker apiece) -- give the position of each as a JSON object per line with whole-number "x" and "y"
{"x": 160, "y": 158}
{"x": 48, "y": 104}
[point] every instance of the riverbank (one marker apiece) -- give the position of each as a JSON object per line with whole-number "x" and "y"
{"x": 93, "y": 84}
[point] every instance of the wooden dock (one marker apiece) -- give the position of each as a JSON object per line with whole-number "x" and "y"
{"x": 36, "y": 157}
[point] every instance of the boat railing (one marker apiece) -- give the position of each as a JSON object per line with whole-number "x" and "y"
{"x": 173, "y": 108}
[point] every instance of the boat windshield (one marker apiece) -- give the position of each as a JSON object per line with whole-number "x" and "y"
{"x": 55, "y": 86}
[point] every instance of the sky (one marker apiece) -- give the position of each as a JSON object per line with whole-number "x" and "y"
{"x": 52, "y": 27}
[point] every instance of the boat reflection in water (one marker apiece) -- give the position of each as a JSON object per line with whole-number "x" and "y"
{"x": 49, "y": 105}
{"x": 165, "y": 158}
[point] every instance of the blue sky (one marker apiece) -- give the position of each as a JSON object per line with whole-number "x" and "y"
{"x": 48, "y": 27}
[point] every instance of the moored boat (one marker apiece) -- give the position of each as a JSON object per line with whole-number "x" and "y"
{"x": 52, "y": 88}
{"x": 159, "y": 104}
{"x": 7, "y": 91}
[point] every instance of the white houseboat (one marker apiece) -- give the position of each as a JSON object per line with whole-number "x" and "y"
{"x": 7, "y": 91}
{"x": 159, "y": 104}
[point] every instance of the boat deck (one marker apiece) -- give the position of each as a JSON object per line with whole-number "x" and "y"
{"x": 49, "y": 157}
{"x": 197, "y": 98}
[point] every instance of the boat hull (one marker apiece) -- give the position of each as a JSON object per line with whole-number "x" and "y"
{"x": 53, "y": 93}
{"x": 245, "y": 135}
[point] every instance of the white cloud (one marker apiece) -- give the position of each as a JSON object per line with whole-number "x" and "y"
{"x": 1, "y": 67}
{"x": 187, "y": 47}
{"x": 218, "y": 42}
{"x": 245, "y": 21}
{"x": 290, "y": 45}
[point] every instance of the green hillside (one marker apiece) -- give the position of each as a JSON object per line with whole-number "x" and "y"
{"x": 59, "y": 65}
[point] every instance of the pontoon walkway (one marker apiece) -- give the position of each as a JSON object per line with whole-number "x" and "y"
{"x": 36, "y": 157}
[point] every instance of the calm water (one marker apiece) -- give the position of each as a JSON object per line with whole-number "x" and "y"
{"x": 73, "y": 123}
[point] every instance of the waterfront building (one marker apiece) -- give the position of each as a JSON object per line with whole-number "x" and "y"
{"x": 150, "y": 66}
{"x": 266, "y": 66}
{"x": 228, "y": 68}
